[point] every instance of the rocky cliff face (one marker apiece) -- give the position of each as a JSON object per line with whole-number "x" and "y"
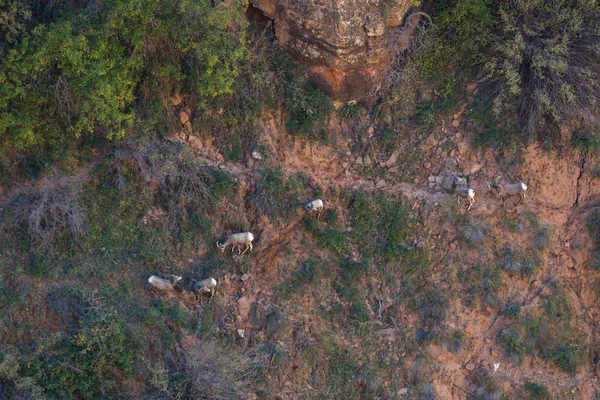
{"x": 343, "y": 42}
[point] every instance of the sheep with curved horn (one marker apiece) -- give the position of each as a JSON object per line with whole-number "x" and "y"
{"x": 163, "y": 284}
{"x": 508, "y": 190}
{"x": 208, "y": 285}
{"x": 238, "y": 240}
{"x": 315, "y": 205}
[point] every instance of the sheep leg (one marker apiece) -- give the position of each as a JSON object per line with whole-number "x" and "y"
{"x": 458, "y": 199}
{"x": 318, "y": 214}
{"x": 245, "y": 250}
{"x": 520, "y": 199}
{"x": 232, "y": 248}
{"x": 470, "y": 204}
{"x": 212, "y": 293}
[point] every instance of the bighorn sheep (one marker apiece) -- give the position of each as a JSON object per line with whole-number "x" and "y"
{"x": 510, "y": 189}
{"x": 315, "y": 205}
{"x": 453, "y": 184}
{"x": 465, "y": 192}
{"x": 163, "y": 284}
{"x": 208, "y": 285}
{"x": 238, "y": 240}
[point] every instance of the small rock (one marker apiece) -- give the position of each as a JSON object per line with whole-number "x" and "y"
{"x": 380, "y": 184}
{"x": 359, "y": 160}
{"x": 427, "y": 165}
{"x": 256, "y": 155}
{"x": 184, "y": 117}
{"x": 403, "y": 392}
{"x": 563, "y": 236}
{"x": 245, "y": 277}
{"x": 438, "y": 180}
{"x": 494, "y": 354}
{"x": 176, "y": 99}
{"x": 488, "y": 340}
{"x": 371, "y": 130}
{"x": 470, "y": 366}
{"x": 244, "y": 306}
{"x": 241, "y": 332}
{"x": 452, "y": 152}
{"x": 455, "y": 123}
{"x": 431, "y": 141}
{"x": 195, "y": 142}
{"x": 432, "y": 184}
{"x": 367, "y": 160}
{"x": 469, "y": 329}
{"x": 432, "y": 178}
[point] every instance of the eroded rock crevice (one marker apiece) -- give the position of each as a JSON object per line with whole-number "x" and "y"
{"x": 579, "y": 178}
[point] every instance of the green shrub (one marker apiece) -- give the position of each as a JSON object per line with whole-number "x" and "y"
{"x": 511, "y": 343}
{"x": 512, "y": 308}
{"x": 536, "y": 391}
{"x": 354, "y": 270}
{"x": 546, "y": 62}
{"x": 332, "y": 239}
{"x": 586, "y": 142}
{"x": 308, "y": 111}
{"x": 99, "y": 356}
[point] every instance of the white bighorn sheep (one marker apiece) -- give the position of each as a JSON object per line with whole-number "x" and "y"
{"x": 315, "y": 205}
{"x": 163, "y": 284}
{"x": 508, "y": 190}
{"x": 238, "y": 240}
{"x": 208, "y": 285}
{"x": 465, "y": 192}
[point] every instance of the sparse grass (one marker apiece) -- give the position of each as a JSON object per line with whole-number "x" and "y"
{"x": 553, "y": 335}
{"x": 309, "y": 273}
{"x": 277, "y": 197}
{"x": 431, "y": 308}
{"x": 456, "y": 342}
{"x": 489, "y": 389}
{"x": 473, "y": 230}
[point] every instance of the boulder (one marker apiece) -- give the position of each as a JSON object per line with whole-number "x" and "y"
{"x": 345, "y": 57}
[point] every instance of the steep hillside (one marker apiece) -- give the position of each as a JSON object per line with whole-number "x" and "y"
{"x": 137, "y": 135}
{"x": 396, "y": 292}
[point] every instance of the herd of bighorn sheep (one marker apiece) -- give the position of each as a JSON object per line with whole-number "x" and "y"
{"x": 244, "y": 239}
{"x": 239, "y": 240}
{"x": 461, "y": 189}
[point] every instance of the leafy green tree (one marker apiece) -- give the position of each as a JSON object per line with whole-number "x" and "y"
{"x": 82, "y": 73}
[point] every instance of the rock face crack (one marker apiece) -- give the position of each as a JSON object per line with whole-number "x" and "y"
{"x": 579, "y": 181}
